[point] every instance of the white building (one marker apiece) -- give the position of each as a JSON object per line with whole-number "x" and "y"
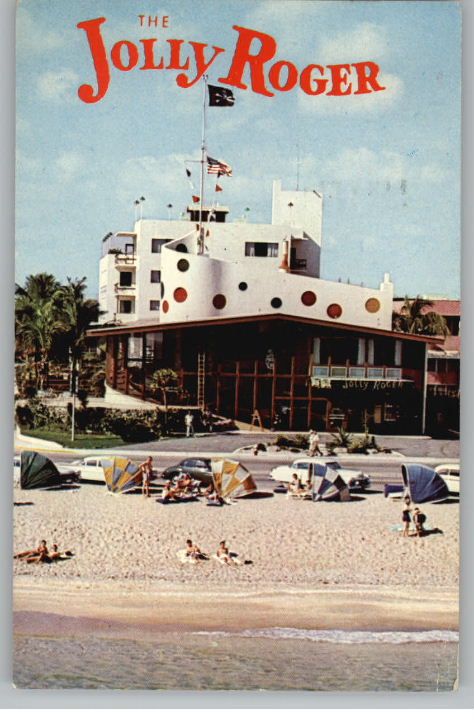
{"x": 158, "y": 273}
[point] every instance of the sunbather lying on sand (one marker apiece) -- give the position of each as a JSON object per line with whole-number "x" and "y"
{"x": 192, "y": 553}
{"x": 37, "y": 555}
{"x": 42, "y": 554}
{"x": 224, "y": 556}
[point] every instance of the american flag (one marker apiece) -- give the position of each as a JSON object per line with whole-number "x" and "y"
{"x": 218, "y": 167}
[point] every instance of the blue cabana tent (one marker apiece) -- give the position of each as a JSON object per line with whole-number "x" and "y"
{"x": 423, "y": 484}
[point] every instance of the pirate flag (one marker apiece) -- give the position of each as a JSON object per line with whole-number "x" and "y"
{"x": 220, "y": 97}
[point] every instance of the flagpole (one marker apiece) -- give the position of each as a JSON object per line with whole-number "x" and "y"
{"x": 203, "y": 160}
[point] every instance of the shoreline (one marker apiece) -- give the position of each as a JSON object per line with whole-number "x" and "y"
{"x": 59, "y": 608}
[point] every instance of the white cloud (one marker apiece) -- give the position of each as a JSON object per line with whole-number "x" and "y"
{"x": 69, "y": 165}
{"x": 33, "y": 38}
{"x": 373, "y": 102}
{"x": 59, "y": 86}
{"x": 159, "y": 180}
{"x": 361, "y": 165}
{"x": 367, "y": 41}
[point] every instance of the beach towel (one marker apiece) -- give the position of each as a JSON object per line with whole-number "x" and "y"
{"x": 234, "y": 560}
{"x": 184, "y": 558}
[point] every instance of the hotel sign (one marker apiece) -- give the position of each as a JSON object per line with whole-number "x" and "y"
{"x": 357, "y": 383}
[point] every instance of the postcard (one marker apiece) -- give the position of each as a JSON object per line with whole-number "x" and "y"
{"x": 237, "y": 355}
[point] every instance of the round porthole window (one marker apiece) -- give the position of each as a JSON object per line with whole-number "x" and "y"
{"x": 243, "y": 286}
{"x": 180, "y": 295}
{"x": 276, "y": 303}
{"x": 165, "y": 306}
{"x": 183, "y": 265}
{"x": 372, "y": 305}
{"x": 181, "y": 247}
{"x": 334, "y": 311}
{"x": 219, "y": 302}
{"x": 308, "y": 298}
{"x": 162, "y": 290}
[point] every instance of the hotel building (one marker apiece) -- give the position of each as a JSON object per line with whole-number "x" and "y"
{"x": 240, "y": 311}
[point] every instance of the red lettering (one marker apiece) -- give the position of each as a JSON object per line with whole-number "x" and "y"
{"x": 116, "y": 55}
{"x": 99, "y": 57}
{"x": 175, "y": 56}
{"x": 149, "y": 52}
{"x": 201, "y": 65}
{"x": 340, "y": 75}
{"x": 242, "y": 57}
{"x": 306, "y": 80}
{"x": 275, "y": 76}
{"x": 367, "y": 75}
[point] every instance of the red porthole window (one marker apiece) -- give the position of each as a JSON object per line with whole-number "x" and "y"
{"x": 219, "y": 302}
{"x": 308, "y": 298}
{"x": 166, "y": 306}
{"x": 334, "y": 311}
{"x": 180, "y": 294}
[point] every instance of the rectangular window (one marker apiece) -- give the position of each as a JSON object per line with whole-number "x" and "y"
{"x": 261, "y": 249}
{"x": 157, "y": 244}
{"x": 125, "y": 307}
{"x": 155, "y": 276}
{"x": 126, "y": 279}
{"x": 375, "y": 373}
{"x": 398, "y": 352}
{"x": 154, "y": 304}
{"x": 356, "y": 372}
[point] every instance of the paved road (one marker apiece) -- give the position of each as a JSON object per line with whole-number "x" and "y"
{"x": 380, "y": 469}
{"x": 228, "y": 442}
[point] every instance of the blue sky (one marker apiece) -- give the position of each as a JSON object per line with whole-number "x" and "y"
{"x": 388, "y": 164}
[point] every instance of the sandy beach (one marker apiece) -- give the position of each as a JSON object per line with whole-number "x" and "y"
{"x": 314, "y": 565}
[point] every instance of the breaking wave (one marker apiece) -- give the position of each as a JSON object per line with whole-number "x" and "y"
{"x": 343, "y": 637}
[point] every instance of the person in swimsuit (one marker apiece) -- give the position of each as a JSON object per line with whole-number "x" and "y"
{"x": 147, "y": 474}
{"x": 223, "y": 552}
{"x": 419, "y": 519}
{"x": 406, "y": 518}
{"x": 193, "y": 551}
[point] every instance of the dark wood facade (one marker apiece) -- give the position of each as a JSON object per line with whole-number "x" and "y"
{"x": 297, "y": 374}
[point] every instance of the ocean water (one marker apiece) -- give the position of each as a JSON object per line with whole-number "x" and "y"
{"x": 268, "y": 659}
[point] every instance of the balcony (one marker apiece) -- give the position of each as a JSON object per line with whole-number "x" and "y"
{"x": 357, "y": 373}
{"x": 125, "y": 260}
{"x": 124, "y": 290}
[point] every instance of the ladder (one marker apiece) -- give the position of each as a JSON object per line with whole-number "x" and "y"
{"x": 201, "y": 379}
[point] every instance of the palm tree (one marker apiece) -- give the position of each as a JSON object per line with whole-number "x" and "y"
{"x": 76, "y": 314}
{"x": 416, "y": 319}
{"x": 37, "y": 322}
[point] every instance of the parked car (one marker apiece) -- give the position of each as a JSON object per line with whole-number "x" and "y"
{"x": 450, "y": 472}
{"x": 352, "y": 478}
{"x": 90, "y": 468}
{"x": 198, "y": 468}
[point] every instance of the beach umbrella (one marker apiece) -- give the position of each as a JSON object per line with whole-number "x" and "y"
{"x": 38, "y": 471}
{"x": 424, "y": 484}
{"x": 328, "y": 484}
{"x": 231, "y": 479}
{"x": 121, "y": 474}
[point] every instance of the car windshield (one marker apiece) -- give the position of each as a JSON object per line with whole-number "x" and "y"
{"x": 301, "y": 465}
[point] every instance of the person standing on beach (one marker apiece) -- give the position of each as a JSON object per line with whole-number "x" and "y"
{"x": 188, "y": 423}
{"x": 147, "y": 475}
{"x": 314, "y": 441}
{"x": 406, "y": 517}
